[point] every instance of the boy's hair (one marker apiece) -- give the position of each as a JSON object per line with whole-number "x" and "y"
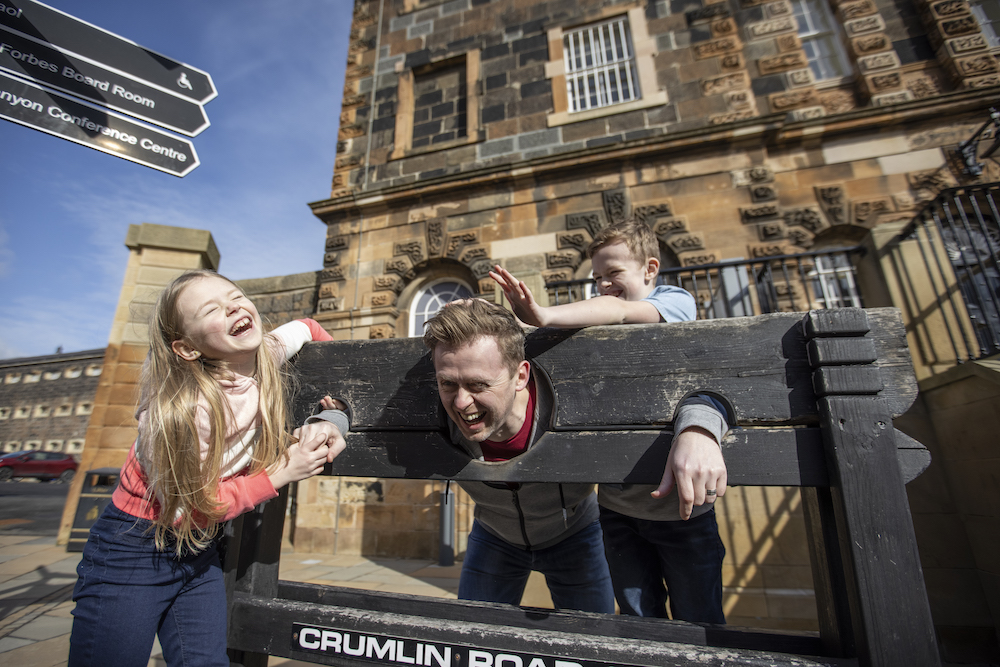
{"x": 637, "y": 237}
{"x": 463, "y": 322}
{"x": 168, "y": 448}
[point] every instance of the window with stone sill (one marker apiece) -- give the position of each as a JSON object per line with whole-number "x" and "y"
{"x": 52, "y": 375}
{"x": 53, "y": 445}
{"x": 432, "y": 298}
{"x": 73, "y": 372}
{"x": 42, "y": 411}
{"x": 602, "y": 68}
{"x": 12, "y": 446}
{"x": 821, "y": 41}
{"x": 22, "y": 412}
{"x": 32, "y": 377}
{"x": 64, "y": 410}
{"x": 93, "y": 370}
{"x": 437, "y": 106}
{"x": 32, "y": 445}
{"x": 12, "y": 378}
{"x": 4, "y": 413}
{"x": 84, "y": 408}
{"x": 74, "y": 446}
{"x": 987, "y": 13}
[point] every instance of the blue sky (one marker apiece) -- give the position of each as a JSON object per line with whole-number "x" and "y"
{"x": 65, "y": 208}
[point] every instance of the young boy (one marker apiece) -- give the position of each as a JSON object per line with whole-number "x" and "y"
{"x": 667, "y": 533}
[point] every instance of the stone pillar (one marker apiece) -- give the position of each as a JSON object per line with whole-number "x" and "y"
{"x": 157, "y": 255}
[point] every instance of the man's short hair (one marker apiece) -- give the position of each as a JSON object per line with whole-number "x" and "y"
{"x": 637, "y": 237}
{"x": 464, "y": 322}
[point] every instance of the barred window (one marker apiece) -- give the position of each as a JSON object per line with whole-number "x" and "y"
{"x": 820, "y": 41}
{"x": 600, "y": 65}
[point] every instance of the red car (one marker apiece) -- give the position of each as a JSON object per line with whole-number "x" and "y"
{"x": 51, "y": 466}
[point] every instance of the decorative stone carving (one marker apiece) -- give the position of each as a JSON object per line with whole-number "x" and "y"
{"x": 412, "y": 249}
{"x": 983, "y": 81}
{"x": 698, "y": 260}
{"x": 782, "y": 62}
{"x": 739, "y": 100}
{"x": 756, "y": 213}
{"x": 793, "y": 99}
{"x": 807, "y": 113}
{"x": 780, "y": 8}
{"x": 721, "y": 84}
{"x": 481, "y": 268}
{"x": 759, "y": 193}
{"x": 332, "y": 273}
{"x": 456, "y": 242}
{"x": 398, "y": 265}
{"x": 723, "y": 28}
{"x": 732, "y": 117}
{"x": 853, "y": 10}
{"x": 949, "y": 9}
{"x": 976, "y": 65}
{"x": 469, "y": 255}
{"x": 731, "y": 61}
{"x": 878, "y": 61}
{"x": 706, "y": 13}
{"x": 833, "y": 202}
{"x": 615, "y": 205}
{"x": 885, "y": 82}
{"x": 837, "y": 101}
{"x": 751, "y": 176}
{"x": 566, "y": 258}
{"x": 771, "y": 231}
{"x": 331, "y": 259}
{"x": 379, "y": 331}
{"x": 573, "y": 240}
{"x": 556, "y": 276}
{"x": 766, "y": 250}
{"x": 347, "y": 161}
{"x": 934, "y": 179}
{"x": 923, "y": 87}
{"x": 870, "y": 44}
{"x": 487, "y": 286}
{"x": 337, "y": 242}
{"x": 435, "y": 237}
{"x": 962, "y": 25}
{"x": 788, "y": 42}
{"x": 800, "y": 237}
{"x": 892, "y": 98}
{"x": 963, "y": 46}
{"x": 864, "y": 25}
{"x": 649, "y": 213}
{"x": 592, "y": 221}
{"x": 388, "y": 283}
{"x": 684, "y": 242}
{"x": 716, "y": 47}
{"x": 351, "y": 131}
{"x": 808, "y": 218}
{"x": 865, "y": 213}
{"x": 380, "y": 299}
{"x": 329, "y": 305}
{"x": 664, "y": 227}
{"x": 768, "y": 28}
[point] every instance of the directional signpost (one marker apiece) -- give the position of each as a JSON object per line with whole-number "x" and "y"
{"x": 49, "y": 51}
{"x": 47, "y": 111}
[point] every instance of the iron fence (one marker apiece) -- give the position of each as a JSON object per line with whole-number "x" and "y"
{"x": 782, "y": 283}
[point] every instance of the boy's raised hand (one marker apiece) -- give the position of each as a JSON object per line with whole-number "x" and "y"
{"x": 695, "y": 466}
{"x": 522, "y": 302}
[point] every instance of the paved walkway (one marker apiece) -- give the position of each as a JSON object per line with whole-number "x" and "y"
{"x": 37, "y": 577}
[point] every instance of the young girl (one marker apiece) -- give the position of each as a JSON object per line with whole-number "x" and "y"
{"x": 212, "y": 444}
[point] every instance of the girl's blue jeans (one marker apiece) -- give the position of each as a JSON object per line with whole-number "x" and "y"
{"x": 128, "y": 592}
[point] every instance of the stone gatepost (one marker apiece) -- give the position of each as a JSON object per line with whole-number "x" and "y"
{"x": 157, "y": 255}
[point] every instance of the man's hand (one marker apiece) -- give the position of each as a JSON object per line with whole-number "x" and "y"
{"x": 521, "y": 300}
{"x": 695, "y": 466}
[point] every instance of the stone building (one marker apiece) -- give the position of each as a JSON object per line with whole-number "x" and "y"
{"x": 482, "y": 132}
{"x": 46, "y": 401}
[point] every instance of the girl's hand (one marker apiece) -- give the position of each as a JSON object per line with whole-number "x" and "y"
{"x": 322, "y": 435}
{"x": 301, "y": 463}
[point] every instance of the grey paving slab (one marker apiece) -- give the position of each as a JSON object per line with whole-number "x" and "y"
{"x": 11, "y": 643}
{"x": 44, "y": 627}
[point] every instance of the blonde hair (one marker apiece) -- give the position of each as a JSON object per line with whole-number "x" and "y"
{"x": 637, "y": 237}
{"x": 463, "y": 322}
{"x": 184, "y": 485}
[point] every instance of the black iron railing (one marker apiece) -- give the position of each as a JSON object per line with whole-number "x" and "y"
{"x": 782, "y": 283}
{"x": 954, "y": 247}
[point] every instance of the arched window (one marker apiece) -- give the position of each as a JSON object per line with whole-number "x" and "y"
{"x": 432, "y": 298}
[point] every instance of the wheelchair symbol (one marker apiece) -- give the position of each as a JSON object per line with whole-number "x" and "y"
{"x": 183, "y": 81}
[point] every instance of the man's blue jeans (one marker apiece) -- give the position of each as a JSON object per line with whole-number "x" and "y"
{"x": 127, "y": 593}
{"x": 685, "y": 555}
{"x": 575, "y": 570}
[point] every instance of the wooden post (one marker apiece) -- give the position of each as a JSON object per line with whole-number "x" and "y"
{"x": 889, "y": 613}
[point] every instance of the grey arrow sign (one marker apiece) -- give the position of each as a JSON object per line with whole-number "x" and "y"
{"x": 67, "y": 72}
{"x": 50, "y": 25}
{"x": 47, "y": 111}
